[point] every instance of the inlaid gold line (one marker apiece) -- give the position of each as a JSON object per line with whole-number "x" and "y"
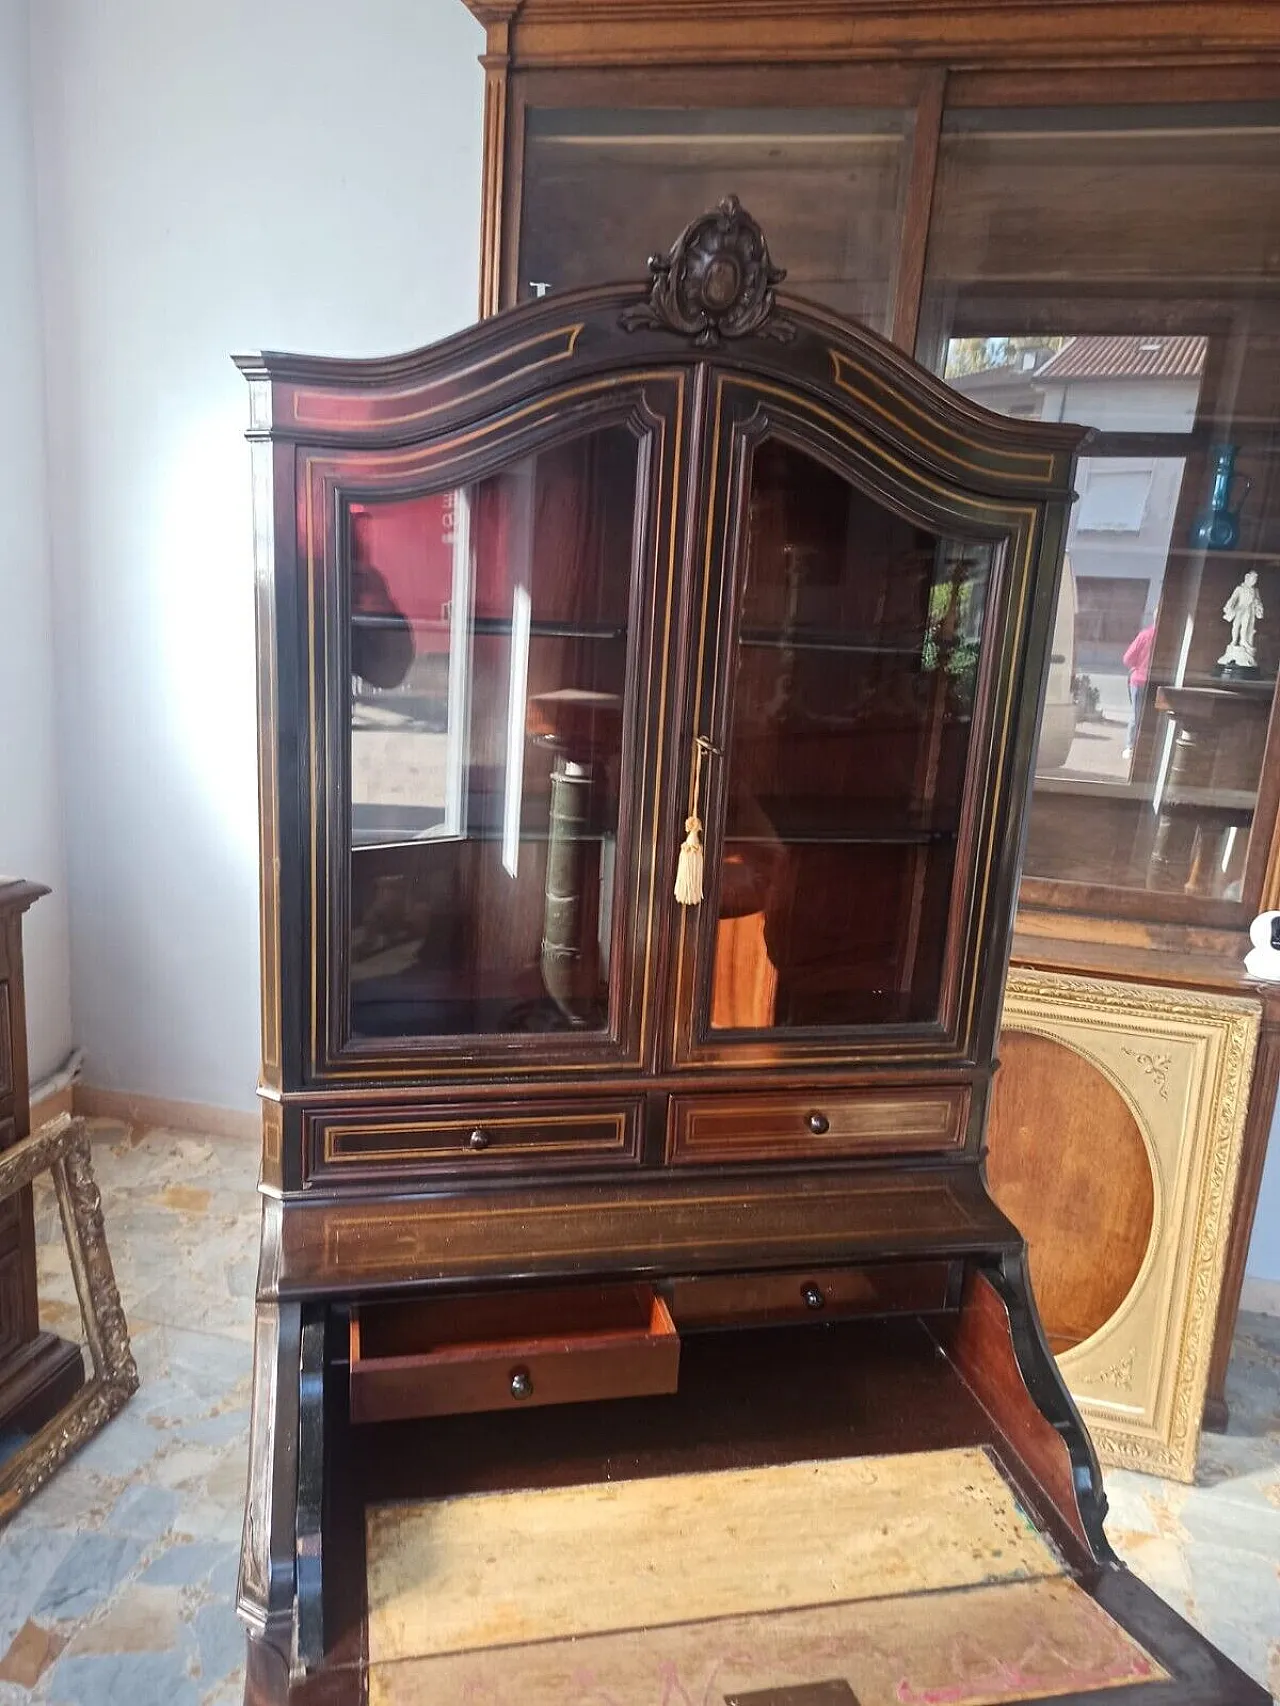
{"x": 663, "y": 1201}
{"x": 570, "y": 334}
{"x": 1040, "y": 465}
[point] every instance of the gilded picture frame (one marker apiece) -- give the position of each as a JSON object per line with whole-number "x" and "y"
{"x": 62, "y": 1150}
{"x": 1182, "y": 1061}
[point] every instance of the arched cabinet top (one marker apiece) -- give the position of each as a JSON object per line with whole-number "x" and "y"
{"x": 711, "y": 302}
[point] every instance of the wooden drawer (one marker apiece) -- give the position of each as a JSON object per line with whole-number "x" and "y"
{"x": 814, "y": 1126}
{"x": 754, "y": 1300}
{"x": 499, "y": 1138}
{"x": 503, "y": 1351}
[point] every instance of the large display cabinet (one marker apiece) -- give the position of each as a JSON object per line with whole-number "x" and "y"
{"x": 650, "y": 679}
{"x": 1068, "y": 215}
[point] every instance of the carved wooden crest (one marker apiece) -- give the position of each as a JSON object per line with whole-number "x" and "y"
{"x": 717, "y": 282}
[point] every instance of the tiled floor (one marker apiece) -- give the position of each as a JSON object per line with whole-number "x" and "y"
{"x": 117, "y": 1581}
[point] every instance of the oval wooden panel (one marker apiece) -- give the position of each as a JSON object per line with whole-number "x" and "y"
{"x": 1068, "y": 1165}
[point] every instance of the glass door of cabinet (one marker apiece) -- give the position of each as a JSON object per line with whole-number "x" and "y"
{"x": 838, "y": 708}
{"x": 1150, "y": 313}
{"x": 495, "y": 737}
{"x": 826, "y": 183}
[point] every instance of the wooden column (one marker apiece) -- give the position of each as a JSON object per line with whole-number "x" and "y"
{"x": 496, "y": 60}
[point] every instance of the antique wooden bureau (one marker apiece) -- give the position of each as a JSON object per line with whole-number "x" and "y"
{"x": 648, "y": 678}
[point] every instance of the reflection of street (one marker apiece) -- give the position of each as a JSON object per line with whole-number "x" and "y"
{"x": 396, "y": 759}
{"x": 1098, "y": 747}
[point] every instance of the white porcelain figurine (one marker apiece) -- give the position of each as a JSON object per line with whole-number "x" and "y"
{"x": 1243, "y": 610}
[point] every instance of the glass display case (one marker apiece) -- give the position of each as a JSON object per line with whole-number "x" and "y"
{"x": 649, "y": 685}
{"x": 1148, "y": 310}
{"x": 853, "y": 161}
{"x": 1073, "y": 222}
{"x": 489, "y": 655}
{"x": 1109, "y": 261}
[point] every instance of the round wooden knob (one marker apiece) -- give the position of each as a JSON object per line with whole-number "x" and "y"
{"x": 479, "y": 1139}
{"x": 818, "y": 1124}
{"x": 521, "y": 1383}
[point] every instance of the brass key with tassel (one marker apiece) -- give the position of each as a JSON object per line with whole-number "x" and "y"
{"x": 688, "y": 889}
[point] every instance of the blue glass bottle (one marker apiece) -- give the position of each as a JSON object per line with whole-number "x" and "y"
{"x": 1218, "y": 528}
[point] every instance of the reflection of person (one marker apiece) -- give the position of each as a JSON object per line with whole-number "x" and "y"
{"x": 381, "y": 639}
{"x": 1137, "y": 660}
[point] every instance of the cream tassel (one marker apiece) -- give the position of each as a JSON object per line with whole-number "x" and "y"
{"x": 689, "y": 867}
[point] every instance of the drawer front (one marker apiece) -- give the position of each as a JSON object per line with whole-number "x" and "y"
{"x": 477, "y": 1140}
{"x": 821, "y": 1294}
{"x": 456, "y": 1357}
{"x": 814, "y": 1127}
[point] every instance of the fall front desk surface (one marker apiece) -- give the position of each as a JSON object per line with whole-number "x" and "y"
{"x": 913, "y": 1580}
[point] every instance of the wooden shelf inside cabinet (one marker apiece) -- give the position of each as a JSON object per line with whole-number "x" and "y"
{"x": 825, "y": 641}
{"x": 497, "y": 1351}
{"x": 839, "y": 821}
{"x": 502, "y": 626}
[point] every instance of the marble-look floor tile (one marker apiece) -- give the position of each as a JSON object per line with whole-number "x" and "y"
{"x": 1212, "y": 1550}
{"x": 145, "y": 1620}
{"x": 184, "y": 1564}
{"x": 31, "y": 1652}
{"x": 92, "y": 1568}
{"x": 29, "y": 1558}
{"x": 143, "y": 1510}
{"x": 124, "y": 1679}
{"x": 117, "y": 1582}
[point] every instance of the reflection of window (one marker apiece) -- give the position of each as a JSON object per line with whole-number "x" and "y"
{"x": 1115, "y": 495}
{"x": 1109, "y": 609}
{"x": 409, "y": 739}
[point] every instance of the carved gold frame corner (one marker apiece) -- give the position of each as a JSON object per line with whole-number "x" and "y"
{"x": 1183, "y": 1062}
{"x": 62, "y": 1149}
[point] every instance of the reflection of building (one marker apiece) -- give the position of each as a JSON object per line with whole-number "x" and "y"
{"x": 1122, "y": 526}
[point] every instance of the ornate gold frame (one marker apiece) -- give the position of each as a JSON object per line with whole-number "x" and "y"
{"x": 1183, "y": 1062}
{"x": 62, "y": 1149}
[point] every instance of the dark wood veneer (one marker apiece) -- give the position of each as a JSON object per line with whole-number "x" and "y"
{"x": 816, "y": 1126}
{"x": 420, "y": 1269}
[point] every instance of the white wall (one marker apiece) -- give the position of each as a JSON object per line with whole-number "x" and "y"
{"x": 30, "y": 806}
{"x": 282, "y": 173}
{"x": 1264, "y": 1246}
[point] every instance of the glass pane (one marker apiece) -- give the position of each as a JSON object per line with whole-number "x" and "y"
{"x": 855, "y": 669}
{"x": 1122, "y": 269}
{"x": 604, "y": 188}
{"x": 488, "y": 655}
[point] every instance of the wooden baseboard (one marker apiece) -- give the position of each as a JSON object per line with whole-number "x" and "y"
{"x": 50, "y": 1106}
{"x": 132, "y": 1109}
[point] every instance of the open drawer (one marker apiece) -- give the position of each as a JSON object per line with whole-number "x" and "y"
{"x": 446, "y": 1356}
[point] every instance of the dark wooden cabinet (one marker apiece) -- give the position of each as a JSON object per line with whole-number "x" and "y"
{"x": 39, "y": 1371}
{"x": 649, "y": 684}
